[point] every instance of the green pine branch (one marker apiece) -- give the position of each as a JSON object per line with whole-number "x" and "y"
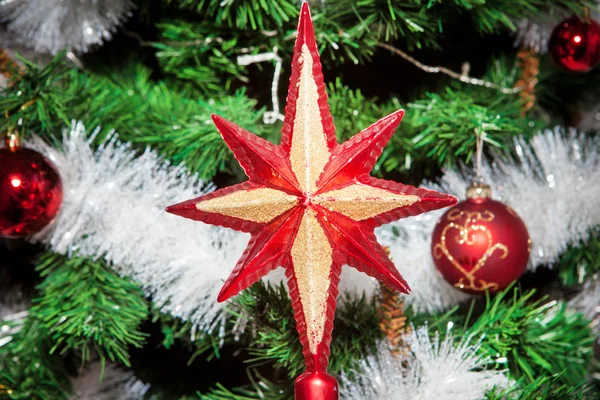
{"x": 352, "y": 111}
{"x": 202, "y": 54}
{"x": 546, "y": 387}
{"x": 534, "y": 338}
{"x": 450, "y": 121}
{"x": 437, "y": 130}
{"x": 85, "y": 305}
{"x": 207, "y": 344}
{"x": 28, "y": 369}
{"x": 244, "y": 14}
{"x": 33, "y": 103}
{"x": 173, "y": 120}
{"x": 349, "y": 30}
{"x": 258, "y": 389}
{"x": 356, "y": 331}
{"x": 580, "y": 261}
{"x": 490, "y": 15}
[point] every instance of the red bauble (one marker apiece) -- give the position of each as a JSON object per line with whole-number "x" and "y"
{"x": 316, "y": 386}
{"x": 480, "y": 244}
{"x": 30, "y": 192}
{"x": 575, "y": 44}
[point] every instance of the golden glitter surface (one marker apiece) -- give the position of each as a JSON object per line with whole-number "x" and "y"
{"x": 256, "y": 205}
{"x": 361, "y": 202}
{"x": 309, "y": 152}
{"x": 312, "y": 259}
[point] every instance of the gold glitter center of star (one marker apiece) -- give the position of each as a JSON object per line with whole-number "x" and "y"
{"x": 257, "y": 205}
{"x": 312, "y": 258}
{"x": 361, "y": 202}
{"x": 309, "y": 153}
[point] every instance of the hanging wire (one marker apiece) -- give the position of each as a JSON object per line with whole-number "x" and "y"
{"x": 270, "y": 117}
{"x": 443, "y": 70}
{"x": 478, "y": 151}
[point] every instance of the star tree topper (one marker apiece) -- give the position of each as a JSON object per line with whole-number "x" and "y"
{"x": 310, "y": 203}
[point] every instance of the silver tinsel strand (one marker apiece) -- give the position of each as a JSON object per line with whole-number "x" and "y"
{"x": 535, "y": 35}
{"x": 12, "y": 46}
{"x": 434, "y": 369}
{"x": 49, "y": 26}
{"x": 13, "y": 312}
{"x": 116, "y": 384}
{"x": 587, "y": 302}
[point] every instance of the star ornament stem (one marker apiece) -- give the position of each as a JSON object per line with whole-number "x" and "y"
{"x": 311, "y": 207}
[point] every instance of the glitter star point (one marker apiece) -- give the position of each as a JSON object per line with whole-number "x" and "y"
{"x": 310, "y": 204}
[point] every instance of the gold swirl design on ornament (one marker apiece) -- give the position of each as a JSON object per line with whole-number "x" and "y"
{"x": 466, "y": 237}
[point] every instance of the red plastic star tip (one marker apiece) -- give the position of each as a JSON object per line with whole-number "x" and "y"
{"x": 310, "y": 203}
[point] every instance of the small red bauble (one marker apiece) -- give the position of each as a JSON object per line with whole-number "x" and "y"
{"x": 316, "y": 386}
{"x": 575, "y": 44}
{"x": 30, "y": 192}
{"x": 480, "y": 244}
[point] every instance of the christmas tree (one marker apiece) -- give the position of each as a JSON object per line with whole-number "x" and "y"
{"x": 107, "y": 114}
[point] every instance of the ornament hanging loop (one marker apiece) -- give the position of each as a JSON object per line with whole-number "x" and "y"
{"x": 479, "y": 190}
{"x": 479, "y": 137}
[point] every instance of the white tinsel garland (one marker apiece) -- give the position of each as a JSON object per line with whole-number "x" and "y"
{"x": 434, "y": 369}
{"x": 12, "y": 46}
{"x": 49, "y": 26}
{"x": 588, "y": 303}
{"x": 116, "y": 384}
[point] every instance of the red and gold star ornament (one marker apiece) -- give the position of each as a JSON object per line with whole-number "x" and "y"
{"x": 310, "y": 206}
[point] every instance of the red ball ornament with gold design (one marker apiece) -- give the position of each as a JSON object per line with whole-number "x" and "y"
{"x": 31, "y": 191}
{"x": 480, "y": 244}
